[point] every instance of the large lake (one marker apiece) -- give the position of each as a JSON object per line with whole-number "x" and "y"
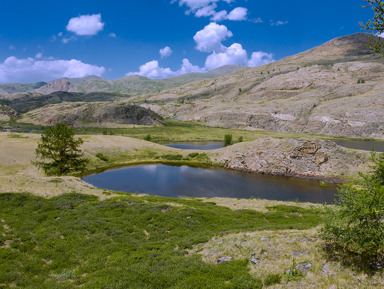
{"x": 174, "y": 181}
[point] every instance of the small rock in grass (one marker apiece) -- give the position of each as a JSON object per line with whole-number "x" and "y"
{"x": 223, "y": 259}
{"x": 304, "y": 267}
{"x": 264, "y": 239}
{"x": 255, "y": 260}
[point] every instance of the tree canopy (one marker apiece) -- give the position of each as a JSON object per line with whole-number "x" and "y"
{"x": 60, "y": 152}
{"x": 375, "y": 25}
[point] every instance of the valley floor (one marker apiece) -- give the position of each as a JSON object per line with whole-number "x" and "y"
{"x": 59, "y": 232}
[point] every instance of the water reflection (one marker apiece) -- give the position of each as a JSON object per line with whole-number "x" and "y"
{"x": 172, "y": 181}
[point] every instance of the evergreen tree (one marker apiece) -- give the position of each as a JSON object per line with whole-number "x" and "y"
{"x": 61, "y": 149}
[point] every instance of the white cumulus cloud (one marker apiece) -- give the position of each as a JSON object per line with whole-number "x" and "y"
{"x": 260, "y": 58}
{"x": 85, "y": 25}
{"x": 211, "y": 37}
{"x": 238, "y": 14}
{"x": 30, "y": 70}
{"x": 152, "y": 69}
{"x": 165, "y": 52}
{"x": 235, "y": 54}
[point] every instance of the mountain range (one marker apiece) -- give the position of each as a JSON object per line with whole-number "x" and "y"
{"x": 333, "y": 89}
{"x": 131, "y": 85}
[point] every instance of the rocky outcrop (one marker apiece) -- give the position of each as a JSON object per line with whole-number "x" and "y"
{"x": 319, "y": 159}
{"x": 93, "y": 114}
{"x": 57, "y": 85}
{"x": 7, "y": 113}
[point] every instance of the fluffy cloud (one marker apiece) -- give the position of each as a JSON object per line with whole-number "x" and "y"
{"x": 187, "y": 67}
{"x": 30, "y": 70}
{"x": 238, "y": 14}
{"x": 207, "y": 8}
{"x": 260, "y": 58}
{"x": 208, "y": 40}
{"x": 152, "y": 69}
{"x": 85, "y": 24}
{"x": 235, "y": 54}
{"x": 211, "y": 37}
{"x": 165, "y": 52}
{"x": 194, "y": 5}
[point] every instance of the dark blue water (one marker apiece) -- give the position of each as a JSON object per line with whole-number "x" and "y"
{"x": 173, "y": 181}
{"x": 196, "y": 145}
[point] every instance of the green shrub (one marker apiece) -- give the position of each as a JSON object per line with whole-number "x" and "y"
{"x": 193, "y": 155}
{"x": 272, "y": 279}
{"x": 356, "y": 225}
{"x": 240, "y": 139}
{"x": 102, "y": 157}
{"x": 176, "y": 157}
{"x": 227, "y": 140}
{"x": 293, "y": 274}
{"x": 148, "y": 137}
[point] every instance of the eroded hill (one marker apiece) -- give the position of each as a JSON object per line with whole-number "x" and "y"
{"x": 333, "y": 89}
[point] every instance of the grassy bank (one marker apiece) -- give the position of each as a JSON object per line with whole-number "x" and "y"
{"x": 177, "y": 131}
{"x": 75, "y": 241}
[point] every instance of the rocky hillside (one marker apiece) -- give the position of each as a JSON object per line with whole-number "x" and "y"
{"x": 24, "y": 102}
{"x": 9, "y": 88}
{"x": 333, "y": 89}
{"x": 99, "y": 114}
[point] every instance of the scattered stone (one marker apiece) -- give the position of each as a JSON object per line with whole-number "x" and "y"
{"x": 293, "y": 241}
{"x": 264, "y": 239}
{"x": 271, "y": 248}
{"x": 326, "y": 269}
{"x": 255, "y": 260}
{"x": 223, "y": 259}
{"x": 220, "y": 242}
{"x": 304, "y": 267}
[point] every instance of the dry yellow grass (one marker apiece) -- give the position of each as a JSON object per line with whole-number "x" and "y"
{"x": 17, "y": 173}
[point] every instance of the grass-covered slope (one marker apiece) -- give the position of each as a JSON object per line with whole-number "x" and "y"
{"x": 74, "y": 241}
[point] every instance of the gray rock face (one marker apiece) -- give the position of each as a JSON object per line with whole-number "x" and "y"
{"x": 320, "y": 159}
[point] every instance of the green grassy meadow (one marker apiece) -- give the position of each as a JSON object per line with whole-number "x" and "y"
{"x": 74, "y": 241}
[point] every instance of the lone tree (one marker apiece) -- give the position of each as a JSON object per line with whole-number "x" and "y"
{"x": 58, "y": 145}
{"x": 375, "y": 25}
{"x": 357, "y": 225}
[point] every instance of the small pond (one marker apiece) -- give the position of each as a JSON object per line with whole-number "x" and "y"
{"x": 366, "y": 145}
{"x": 174, "y": 181}
{"x": 196, "y": 145}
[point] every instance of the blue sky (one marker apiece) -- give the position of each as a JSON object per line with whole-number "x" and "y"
{"x": 42, "y": 40}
